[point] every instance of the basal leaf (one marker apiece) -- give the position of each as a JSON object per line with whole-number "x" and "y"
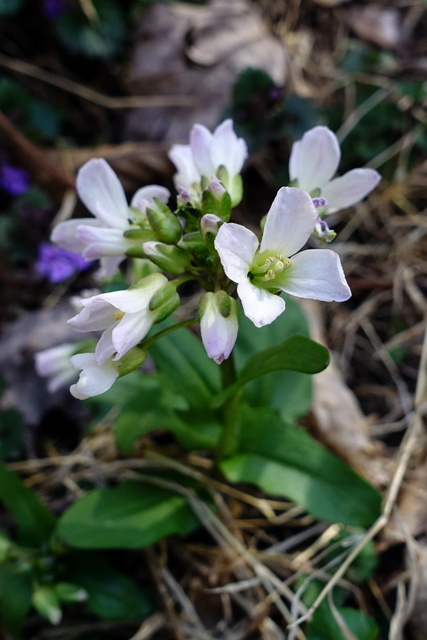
{"x": 132, "y": 515}
{"x": 324, "y": 626}
{"x": 285, "y": 460}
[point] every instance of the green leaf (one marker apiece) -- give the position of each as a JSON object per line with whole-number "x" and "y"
{"x": 9, "y": 7}
{"x": 111, "y": 594}
{"x": 294, "y": 354}
{"x": 181, "y": 358}
{"x": 100, "y": 38}
{"x": 323, "y": 625}
{"x": 35, "y": 521}
{"x": 285, "y": 460}
{"x": 15, "y": 598}
{"x": 11, "y": 433}
{"x": 132, "y": 515}
{"x": 287, "y": 391}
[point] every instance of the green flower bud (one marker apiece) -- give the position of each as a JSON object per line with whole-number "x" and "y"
{"x": 132, "y": 360}
{"x": 192, "y": 242}
{"x": 165, "y": 224}
{"x": 144, "y": 235}
{"x": 216, "y": 200}
{"x": 45, "y": 600}
{"x": 68, "y": 592}
{"x": 171, "y": 259}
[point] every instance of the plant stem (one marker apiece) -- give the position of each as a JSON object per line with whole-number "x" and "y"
{"x": 147, "y": 343}
{"x": 229, "y": 439}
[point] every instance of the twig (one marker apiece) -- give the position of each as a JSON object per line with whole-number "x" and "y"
{"x": 126, "y": 102}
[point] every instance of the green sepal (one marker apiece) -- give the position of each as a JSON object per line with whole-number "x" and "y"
{"x": 168, "y": 308}
{"x": 162, "y": 296}
{"x": 164, "y": 223}
{"x": 171, "y": 259}
{"x": 144, "y": 235}
{"x": 132, "y": 360}
{"x": 192, "y": 242}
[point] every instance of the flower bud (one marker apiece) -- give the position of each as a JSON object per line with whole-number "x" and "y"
{"x": 218, "y": 324}
{"x": 144, "y": 235}
{"x": 46, "y": 602}
{"x": 217, "y": 200}
{"x": 68, "y": 592}
{"x": 132, "y": 360}
{"x": 165, "y": 224}
{"x": 209, "y": 226}
{"x": 172, "y": 259}
{"x": 192, "y": 242}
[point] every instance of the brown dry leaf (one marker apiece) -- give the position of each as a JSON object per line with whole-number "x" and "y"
{"x": 338, "y": 420}
{"x": 380, "y": 25}
{"x": 418, "y": 617}
{"x": 412, "y": 508}
{"x": 136, "y": 164}
{"x": 197, "y": 51}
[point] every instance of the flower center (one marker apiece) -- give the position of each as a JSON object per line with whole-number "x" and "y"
{"x": 266, "y": 267}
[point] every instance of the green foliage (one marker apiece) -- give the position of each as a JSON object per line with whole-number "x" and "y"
{"x": 101, "y": 37}
{"x": 131, "y": 516}
{"x": 287, "y": 391}
{"x": 285, "y": 460}
{"x": 35, "y": 521}
{"x": 111, "y": 594}
{"x": 15, "y": 597}
{"x": 324, "y": 626}
{"x": 294, "y": 354}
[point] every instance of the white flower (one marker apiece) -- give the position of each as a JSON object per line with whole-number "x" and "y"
{"x": 54, "y": 364}
{"x": 313, "y": 163}
{"x": 219, "y": 153}
{"x": 94, "y": 378}
{"x": 261, "y": 271}
{"x": 219, "y": 324}
{"x": 125, "y": 317}
{"x": 102, "y": 236}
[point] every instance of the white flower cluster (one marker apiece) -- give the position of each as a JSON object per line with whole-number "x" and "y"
{"x": 198, "y": 242}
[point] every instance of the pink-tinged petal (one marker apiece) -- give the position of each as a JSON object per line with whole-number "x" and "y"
{"x": 108, "y": 267}
{"x": 96, "y": 315}
{"x": 101, "y": 191}
{"x": 101, "y": 241}
{"x": 315, "y": 274}
{"x": 228, "y": 150}
{"x": 259, "y": 305}
{"x": 187, "y": 174}
{"x": 350, "y": 188}
{"x": 314, "y": 159}
{"x": 201, "y": 144}
{"x": 65, "y": 233}
{"x": 144, "y": 197}
{"x": 94, "y": 379}
{"x": 289, "y": 223}
{"x": 236, "y": 247}
{"x": 131, "y": 329}
{"x": 104, "y": 347}
{"x": 218, "y": 333}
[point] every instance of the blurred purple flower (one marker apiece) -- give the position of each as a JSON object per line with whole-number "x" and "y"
{"x": 13, "y": 180}
{"x": 57, "y": 264}
{"x": 53, "y": 9}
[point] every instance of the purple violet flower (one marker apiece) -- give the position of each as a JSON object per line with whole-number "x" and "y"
{"x": 13, "y": 180}
{"x": 53, "y": 9}
{"x": 57, "y": 264}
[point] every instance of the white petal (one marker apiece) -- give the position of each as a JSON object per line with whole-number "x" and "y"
{"x": 53, "y": 360}
{"x": 236, "y": 246}
{"x": 131, "y": 329}
{"x": 187, "y": 174}
{"x": 316, "y": 274}
{"x": 96, "y": 315}
{"x": 143, "y": 198}
{"x": 101, "y": 191}
{"x": 314, "y": 159}
{"x": 135, "y": 300}
{"x": 259, "y": 305}
{"x": 65, "y": 233}
{"x": 101, "y": 241}
{"x": 104, "y": 347}
{"x": 201, "y": 145}
{"x": 290, "y": 222}
{"x": 108, "y": 267}
{"x": 228, "y": 149}
{"x": 350, "y": 188}
{"x": 94, "y": 379}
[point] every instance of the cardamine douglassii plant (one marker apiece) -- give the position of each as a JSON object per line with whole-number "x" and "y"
{"x": 197, "y": 242}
